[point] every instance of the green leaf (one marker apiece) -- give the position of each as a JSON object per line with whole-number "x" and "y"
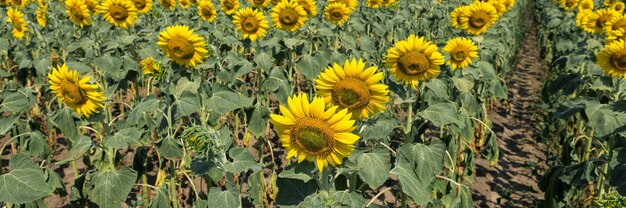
{"x": 381, "y": 129}
{"x": 161, "y": 200}
{"x": 138, "y": 112}
{"x": 442, "y": 114}
{"x": 17, "y": 101}
{"x": 293, "y": 191}
{"x": 64, "y": 120}
{"x": 184, "y": 85}
{"x": 123, "y": 138}
{"x": 258, "y": 120}
{"x": 188, "y": 103}
{"x": 170, "y": 149}
{"x": 242, "y": 161}
{"x": 226, "y": 199}
{"x": 374, "y": 168}
{"x": 309, "y": 66}
{"x": 37, "y": 145}
{"x": 112, "y": 66}
{"x": 264, "y": 61}
{"x": 111, "y": 187}
{"x": 463, "y": 84}
{"x": 301, "y": 171}
{"x": 23, "y": 185}
{"x": 226, "y": 101}
{"x": 6, "y": 123}
{"x": 416, "y": 168}
{"x": 349, "y": 199}
{"x": 42, "y": 66}
{"x": 22, "y": 161}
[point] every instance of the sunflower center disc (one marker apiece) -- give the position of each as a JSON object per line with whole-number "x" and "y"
{"x": 413, "y": 63}
{"x": 250, "y": 24}
{"x": 619, "y": 62}
{"x": 312, "y": 135}
{"x": 228, "y": 5}
{"x": 140, "y": 4}
{"x": 336, "y": 14}
{"x": 351, "y": 93}
{"x": 459, "y": 56}
{"x": 77, "y": 14}
{"x": 570, "y": 3}
{"x": 207, "y": 12}
{"x": 479, "y": 19}
{"x": 72, "y": 93}
{"x": 258, "y": 2}
{"x": 118, "y": 12}
{"x": 601, "y": 21}
{"x": 181, "y": 48}
{"x": 288, "y": 16}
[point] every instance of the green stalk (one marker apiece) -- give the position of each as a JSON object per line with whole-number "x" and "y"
{"x": 146, "y": 190}
{"x": 602, "y": 178}
{"x": 173, "y": 194}
{"x": 74, "y": 168}
{"x": 353, "y": 178}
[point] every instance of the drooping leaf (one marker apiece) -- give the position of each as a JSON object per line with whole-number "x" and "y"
{"x": 242, "y": 161}
{"x": 111, "y": 187}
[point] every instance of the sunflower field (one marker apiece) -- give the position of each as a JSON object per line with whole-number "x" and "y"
{"x": 293, "y": 103}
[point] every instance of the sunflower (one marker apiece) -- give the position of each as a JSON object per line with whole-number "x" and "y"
{"x": 151, "y": 67}
{"x": 374, "y": 4}
{"x": 168, "y": 4}
{"x": 500, "y": 8}
{"x": 75, "y": 91}
{"x": 19, "y": 4}
{"x": 618, "y": 7}
{"x": 121, "y": 13}
{"x": 251, "y": 23}
{"x": 569, "y": 4}
{"x": 337, "y": 13}
{"x": 16, "y": 18}
{"x": 92, "y": 5}
{"x": 462, "y": 51}
{"x": 389, "y": 3}
{"x": 585, "y": 5}
{"x": 78, "y": 12}
{"x": 596, "y": 21}
{"x": 184, "y": 3}
{"x": 508, "y": 4}
{"x": 350, "y": 4}
{"x": 206, "y": 11}
{"x": 260, "y": 3}
{"x": 42, "y": 3}
{"x": 479, "y": 17}
{"x": 353, "y": 87}
{"x": 609, "y": 2}
{"x": 288, "y": 15}
{"x": 413, "y": 60}
{"x": 308, "y": 131}
{"x": 455, "y": 16}
{"x": 40, "y": 15}
{"x": 4, "y": 2}
{"x": 143, "y": 6}
{"x": 613, "y": 59}
{"x": 182, "y": 45}
{"x": 309, "y": 7}
{"x": 583, "y": 16}
{"x": 615, "y": 29}
{"x": 229, "y": 6}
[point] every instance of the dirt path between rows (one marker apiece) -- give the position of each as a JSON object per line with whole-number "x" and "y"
{"x": 513, "y": 181}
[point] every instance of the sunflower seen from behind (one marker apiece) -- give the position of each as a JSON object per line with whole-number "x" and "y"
{"x": 143, "y": 6}
{"x": 121, "y": 13}
{"x": 75, "y": 91}
{"x": 462, "y": 51}
{"x": 17, "y": 20}
{"x": 353, "y": 87}
{"x": 206, "y": 11}
{"x": 479, "y": 17}
{"x": 288, "y": 15}
{"x": 309, "y": 131}
{"x": 613, "y": 59}
{"x": 337, "y": 13}
{"x": 78, "y": 12}
{"x": 309, "y": 6}
{"x": 251, "y": 23}
{"x": 413, "y": 60}
{"x": 182, "y": 45}
{"x": 229, "y": 6}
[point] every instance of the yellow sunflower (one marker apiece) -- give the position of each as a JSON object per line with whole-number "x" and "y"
{"x": 308, "y": 131}
{"x": 508, "y": 4}
{"x": 462, "y": 51}
{"x": 309, "y": 6}
{"x": 596, "y": 21}
{"x": 456, "y": 14}
{"x": 613, "y": 59}
{"x": 618, "y": 7}
{"x": 251, "y": 23}
{"x": 168, "y": 4}
{"x": 615, "y": 29}
{"x": 75, "y": 91}
{"x": 413, "y": 60}
{"x": 143, "y": 6}
{"x": 206, "y": 11}
{"x": 288, "y": 15}
{"x": 497, "y": 4}
{"x": 42, "y": 3}
{"x": 182, "y": 45}
{"x": 479, "y": 17}
{"x": 569, "y": 4}
{"x": 229, "y": 6}
{"x": 92, "y": 5}
{"x": 151, "y": 67}
{"x": 337, "y": 13}
{"x": 374, "y": 4}
{"x": 350, "y": 4}
{"x": 260, "y": 3}
{"x": 585, "y": 5}
{"x": 40, "y": 15}
{"x": 78, "y": 12}
{"x": 389, "y": 3}
{"x": 16, "y": 18}
{"x": 609, "y": 2}
{"x": 353, "y": 87}
{"x": 184, "y": 3}
{"x": 121, "y": 13}
{"x": 19, "y": 4}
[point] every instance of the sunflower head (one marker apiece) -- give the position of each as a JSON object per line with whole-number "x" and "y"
{"x": 508, "y": 4}
{"x": 609, "y": 2}
{"x": 288, "y": 15}
{"x": 143, "y": 6}
{"x": 259, "y": 3}
{"x": 615, "y": 29}
{"x": 17, "y": 20}
{"x": 40, "y": 14}
{"x": 613, "y": 59}
{"x": 229, "y": 6}
{"x": 19, "y": 4}
{"x": 479, "y": 17}
{"x": 309, "y": 7}
{"x": 597, "y": 20}
{"x": 206, "y": 11}
{"x": 337, "y": 13}
{"x": 182, "y": 45}
{"x": 307, "y": 130}
{"x": 121, "y": 13}
{"x": 168, "y": 4}
{"x": 75, "y": 91}
{"x": 582, "y": 17}
{"x": 462, "y": 51}
{"x": 456, "y": 14}
{"x": 569, "y": 4}
{"x": 374, "y": 3}
{"x": 585, "y": 5}
{"x": 413, "y": 60}
{"x": 350, "y": 4}
{"x": 42, "y": 3}
{"x": 251, "y": 23}
{"x": 353, "y": 87}
{"x": 618, "y": 7}
{"x": 151, "y": 68}
{"x": 78, "y": 12}
{"x": 185, "y": 4}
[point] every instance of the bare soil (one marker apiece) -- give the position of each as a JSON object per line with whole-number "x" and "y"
{"x": 513, "y": 181}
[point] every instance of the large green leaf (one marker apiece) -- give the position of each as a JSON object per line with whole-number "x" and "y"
{"x": 442, "y": 114}
{"x": 226, "y": 101}
{"x": 258, "y": 120}
{"x": 301, "y": 171}
{"x": 17, "y": 101}
{"x": 416, "y": 167}
{"x": 161, "y": 200}
{"x": 264, "y": 60}
{"x": 23, "y": 185}
{"x": 293, "y": 191}
{"x": 374, "y": 168}
{"x": 64, "y": 120}
{"x": 22, "y": 161}
{"x": 226, "y": 199}
{"x": 6, "y": 123}
{"x": 242, "y": 161}
{"x": 188, "y": 103}
{"x": 184, "y": 85}
{"x": 380, "y": 130}
{"x": 111, "y": 187}
{"x": 170, "y": 149}
{"x": 123, "y": 138}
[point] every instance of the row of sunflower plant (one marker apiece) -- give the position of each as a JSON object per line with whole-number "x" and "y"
{"x": 258, "y": 103}
{"x": 586, "y": 128}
